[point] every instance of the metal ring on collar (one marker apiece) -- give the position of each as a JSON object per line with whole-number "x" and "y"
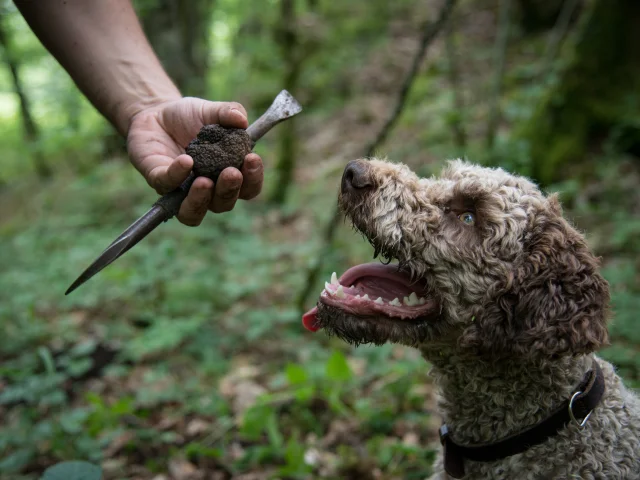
{"x": 572, "y": 416}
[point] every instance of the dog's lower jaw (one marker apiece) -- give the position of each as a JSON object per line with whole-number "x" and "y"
{"x": 373, "y": 330}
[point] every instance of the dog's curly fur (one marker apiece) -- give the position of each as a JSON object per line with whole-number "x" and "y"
{"x": 523, "y": 309}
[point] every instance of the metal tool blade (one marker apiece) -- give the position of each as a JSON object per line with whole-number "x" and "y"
{"x": 284, "y": 106}
{"x": 127, "y": 240}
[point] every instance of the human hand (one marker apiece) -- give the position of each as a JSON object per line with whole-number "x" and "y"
{"x": 156, "y": 143}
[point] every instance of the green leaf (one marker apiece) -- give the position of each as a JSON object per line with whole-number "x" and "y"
{"x": 72, "y": 422}
{"x": 273, "y": 432}
{"x": 123, "y": 406}
{"x": 83, "y": 349}
{"x": 255, "y": 420}
{"x": 335, "y": 402}
{"x": 338, "y": 368}
{"x": 304, "y": 393}
{"x": 15, "y": 461}
{"x": 47, "y": 360}
{"x": 75, "y": 470}
{"x": 296, "y": 375}
{"x": 194, "y": 450}
{"x": 294, "y": 458}
{"x": 79, "y": 367}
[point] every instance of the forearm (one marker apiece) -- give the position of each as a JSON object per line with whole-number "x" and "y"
{"x": 101, "y": 45}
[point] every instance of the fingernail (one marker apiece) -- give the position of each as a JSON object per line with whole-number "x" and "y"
{"x": 252, "y": 164}
{"x": 238, "y": 112}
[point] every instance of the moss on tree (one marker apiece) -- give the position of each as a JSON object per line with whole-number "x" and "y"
{"x": 593, "y": 91}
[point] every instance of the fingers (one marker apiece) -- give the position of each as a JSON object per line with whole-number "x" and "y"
{"x": 231, "y": 185}
{"x": 252, "y": 177}
{"x": 165, "y": 178}
{"x": 227, "y": 190}
{"x": 179, "y": 170}
{"x": 227, "y": 114}
{"x": 195, "y": 206}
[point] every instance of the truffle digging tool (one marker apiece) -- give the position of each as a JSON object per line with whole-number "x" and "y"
{"x": 214, "y": 149}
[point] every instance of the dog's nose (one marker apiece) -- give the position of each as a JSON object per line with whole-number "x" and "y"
{"x": 356, "y": 176}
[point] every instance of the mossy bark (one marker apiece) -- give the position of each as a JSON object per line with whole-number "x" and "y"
{"x": 594, "y": 93}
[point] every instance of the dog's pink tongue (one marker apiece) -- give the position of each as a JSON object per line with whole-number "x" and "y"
{"x": 310, "y": 320}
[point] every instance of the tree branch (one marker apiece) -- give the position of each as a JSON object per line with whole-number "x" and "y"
{"x": 29, "y": 125}
{"x": 558, "y": 33}
{"x": 457, "y": 114}
{"x": 500, "y": 54}
{"x": 431, "y": 31}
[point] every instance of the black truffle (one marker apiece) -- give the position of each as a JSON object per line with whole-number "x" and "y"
{"x": 216, "y": 148}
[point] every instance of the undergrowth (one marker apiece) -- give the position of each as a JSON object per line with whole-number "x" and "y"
{"x": 188, "y": 353}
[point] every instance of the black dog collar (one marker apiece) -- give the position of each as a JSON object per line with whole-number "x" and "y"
{"x": 577, "y": 409}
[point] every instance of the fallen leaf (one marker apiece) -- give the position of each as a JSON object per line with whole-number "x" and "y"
{"x": 246, "y": 394}
{"x": 197, "y": 426}
{"x": 411, "y": 439}
{"x": 181, "y": 469}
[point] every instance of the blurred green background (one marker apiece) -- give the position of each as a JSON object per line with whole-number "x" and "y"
{"x": 187, "y": 359}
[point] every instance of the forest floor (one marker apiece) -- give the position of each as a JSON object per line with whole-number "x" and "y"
{"x": 187, "y": 359}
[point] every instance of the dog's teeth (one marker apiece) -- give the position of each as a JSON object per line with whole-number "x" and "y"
{"x": 351, "y": 286}
{"x": 326, "y": 287}
{"x": 395, "y": 302}
{"x": 340, "y": 292}
{"x": 422, "y": 301}
{"x": 357, "y": 296}
{"x": 366, "y": 297}
{"x": 411, "y": 300}
{"x": 334, "y": 279}
{"x": 379, "y": 301}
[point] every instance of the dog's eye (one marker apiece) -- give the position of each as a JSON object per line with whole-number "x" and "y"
{"x": 467, "y": 218}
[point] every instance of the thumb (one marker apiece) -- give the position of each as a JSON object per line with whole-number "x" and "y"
{"x": 227, "y": 114}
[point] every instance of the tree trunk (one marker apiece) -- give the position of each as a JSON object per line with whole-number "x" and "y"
{"x": 178, "y": 30}
{"x": 289, "y": 43}
{"x": 456, "y": 112}
{"x": 499, "y": 56}
{"x": 29, "y": 125}
{"x": 595, "y": 95}
{"x": 538, "y": 15}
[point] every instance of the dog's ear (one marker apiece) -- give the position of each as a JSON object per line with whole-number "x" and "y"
{"x": 561, "y": 300}
{"x": 553, "y": 201}
{"x": 554, "y": 303}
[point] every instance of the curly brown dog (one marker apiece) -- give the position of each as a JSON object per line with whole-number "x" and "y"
{"x": 504, "y": 299}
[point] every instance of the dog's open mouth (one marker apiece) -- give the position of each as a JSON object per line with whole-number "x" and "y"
{"x": 378, "y": 291}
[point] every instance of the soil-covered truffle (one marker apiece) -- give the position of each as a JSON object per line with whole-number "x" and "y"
{"x": 216, "y": 148}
